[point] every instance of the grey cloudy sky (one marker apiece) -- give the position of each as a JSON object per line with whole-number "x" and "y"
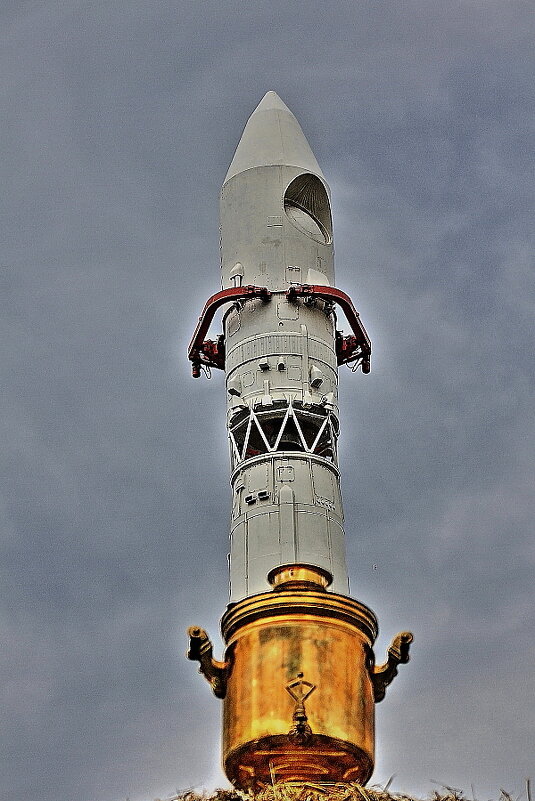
{"x": 119, "y": 120}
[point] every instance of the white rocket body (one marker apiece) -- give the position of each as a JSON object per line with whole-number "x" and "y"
{"x": 280, "y": 358}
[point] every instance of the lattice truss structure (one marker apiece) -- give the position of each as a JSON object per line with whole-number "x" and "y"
{"x": 287, "y": 428}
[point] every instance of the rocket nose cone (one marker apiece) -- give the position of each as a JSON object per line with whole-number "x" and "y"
{"x": 271, "y": 137}
{"x": 271, "y": 101}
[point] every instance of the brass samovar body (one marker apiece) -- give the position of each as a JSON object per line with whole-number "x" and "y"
{"x": 275, "y": 642}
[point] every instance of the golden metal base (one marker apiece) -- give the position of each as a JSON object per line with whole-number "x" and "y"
{"x": 299, "y": 684}
{"x": 299, "y": 701}
{"x": 323, "y": 759}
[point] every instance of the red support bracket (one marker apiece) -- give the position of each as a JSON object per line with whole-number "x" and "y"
{"x": 349, "y": 348}
{"x": 210, "y": 353}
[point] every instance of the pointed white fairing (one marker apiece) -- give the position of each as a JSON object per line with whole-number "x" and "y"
{"x": 272, "y": 137}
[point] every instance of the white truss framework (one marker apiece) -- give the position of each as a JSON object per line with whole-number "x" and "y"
{"x": 263, "y": 432}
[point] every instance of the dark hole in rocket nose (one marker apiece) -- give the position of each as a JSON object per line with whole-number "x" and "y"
{"x": 307, "y": 206}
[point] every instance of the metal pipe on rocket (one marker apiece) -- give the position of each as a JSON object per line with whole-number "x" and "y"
{"x": 298, "y": 680}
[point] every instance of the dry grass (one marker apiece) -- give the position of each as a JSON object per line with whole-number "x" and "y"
{"x": 317, "y": 792}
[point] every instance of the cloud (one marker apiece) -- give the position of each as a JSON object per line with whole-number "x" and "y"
{"x": 118, "y": 129}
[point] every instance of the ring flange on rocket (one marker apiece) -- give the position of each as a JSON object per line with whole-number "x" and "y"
{"x": 299, "y": 680}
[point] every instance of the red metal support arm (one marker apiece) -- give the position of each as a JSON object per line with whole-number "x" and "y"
{"x": 196, "y": 349}
{"x": 212, "y": 354}
{"x": 349, "y": 348}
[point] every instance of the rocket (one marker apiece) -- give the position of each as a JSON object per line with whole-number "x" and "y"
{"x": 298, "y": 679}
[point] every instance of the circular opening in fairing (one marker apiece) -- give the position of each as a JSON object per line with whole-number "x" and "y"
{"x": 307, "y": 206}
